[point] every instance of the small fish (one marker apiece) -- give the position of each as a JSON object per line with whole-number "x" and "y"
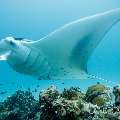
{"x": 39, "y": 78}
{"x": 29, "y": 89}
{"x": 3, "y": 92}
{"x": 1, "y": 84}
{"x": 35, "y": 90}
{"x": 38, "y": 86}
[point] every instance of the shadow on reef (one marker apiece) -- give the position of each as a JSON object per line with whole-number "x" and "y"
{"x": 71, "y": 104}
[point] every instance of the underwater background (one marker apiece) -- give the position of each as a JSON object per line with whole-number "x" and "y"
{"x": 34, "y": 19}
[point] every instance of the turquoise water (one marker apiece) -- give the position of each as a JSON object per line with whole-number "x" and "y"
{"x": 34, "y": 19}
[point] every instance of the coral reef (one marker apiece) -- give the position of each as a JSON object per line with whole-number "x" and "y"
{"x": 99, "y": 94}
{"x": 71, "y": 104}
{"x": 116, "y": 92}
{"x": 20, "y": 106}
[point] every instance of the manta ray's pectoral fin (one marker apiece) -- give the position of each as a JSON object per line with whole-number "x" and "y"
{"x": 74, "y": 43}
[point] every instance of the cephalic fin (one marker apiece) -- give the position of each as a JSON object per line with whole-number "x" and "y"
{"x": 4, "y": 56}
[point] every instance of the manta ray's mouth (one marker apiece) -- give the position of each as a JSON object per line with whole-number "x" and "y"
{"x": 4, "y": 55}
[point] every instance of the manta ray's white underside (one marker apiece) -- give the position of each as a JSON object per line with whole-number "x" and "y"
{"x": 71, "y": 46}
{"x": 64, "y": 53}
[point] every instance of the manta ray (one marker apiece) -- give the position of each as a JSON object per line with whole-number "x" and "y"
{"x": 62, "y": 54}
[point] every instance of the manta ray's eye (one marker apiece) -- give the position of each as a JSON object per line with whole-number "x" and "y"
{"x": 11, "y": 43}
{"x": 19, "y": 39}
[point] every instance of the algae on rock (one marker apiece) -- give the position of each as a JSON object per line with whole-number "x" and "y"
{"x": 99, "y": 94}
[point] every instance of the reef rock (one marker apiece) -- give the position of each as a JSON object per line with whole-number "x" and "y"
{"x": 116, "y": 92}
{"x": 99, "y": 95}
{"x": 71, "y": 104}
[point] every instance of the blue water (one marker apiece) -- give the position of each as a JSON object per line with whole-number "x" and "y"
{"x": 34, "y": 19}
